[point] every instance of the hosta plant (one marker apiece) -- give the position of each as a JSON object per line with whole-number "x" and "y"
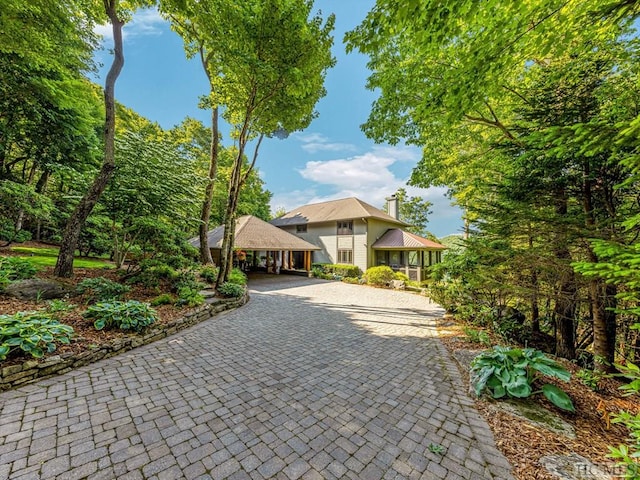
{"x": 130, "y": 315}
{"x": 32, "y": 332}
{"x": 101, "y": 289}
{"x": 511, "y": 372}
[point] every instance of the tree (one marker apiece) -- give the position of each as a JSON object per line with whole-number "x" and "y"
{"x": 266, "y": 62}
{"x": 414, "y": 211}
{"x": 64, "y": 265}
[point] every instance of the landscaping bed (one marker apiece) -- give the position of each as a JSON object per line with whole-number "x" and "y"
{"x": 525, "y": 443}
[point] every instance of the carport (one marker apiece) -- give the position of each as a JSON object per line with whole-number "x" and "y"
{"x": 264, "y": 246}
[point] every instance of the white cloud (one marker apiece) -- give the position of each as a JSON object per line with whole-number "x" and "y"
{"x": 316, "y": 142}
{"x": 369, "y": 178}
{"x": 146, "y": 22}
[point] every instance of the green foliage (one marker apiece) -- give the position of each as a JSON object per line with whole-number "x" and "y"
{"x": 16, "y": 268}
{"x": 231, "y": 290}
{"x": 237, "y": 276}
{"x": 627, "y": 455}
{"x": 436, "y": 448}
{"x": 32, "y": 332}
{"x": 380, "y": 276}
{"x": 401, "y": 276}
{"x": 164, "y": 299}
{"x": 414, "y": 211}
{"x": 342, "y": 270}
{"x": 46, "y": 257}
{"x": 101, "y": 289}
{"x": 590, "y": 378}
{"x": 351, "y": 280}
{"x": 189, "y": 297}
{"x": 209, "y": 273}
{"x": 129, "y": 315}
{"x": 511, "y": 372}
{"x": 477, "y": 336}
{"x": 152, "y": 272}
{"x": 187, "y": 279}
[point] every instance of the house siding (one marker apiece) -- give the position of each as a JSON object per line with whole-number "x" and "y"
{"x": 376, "y": 228}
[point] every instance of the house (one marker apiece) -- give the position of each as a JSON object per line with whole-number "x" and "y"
{"x": 353, "y": 232}
{"x": 262, "y": 245}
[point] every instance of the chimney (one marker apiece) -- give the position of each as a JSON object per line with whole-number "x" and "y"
{"x": 392, "y": 206}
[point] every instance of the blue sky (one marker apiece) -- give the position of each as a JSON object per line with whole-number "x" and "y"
{"x": 331, "y": 159}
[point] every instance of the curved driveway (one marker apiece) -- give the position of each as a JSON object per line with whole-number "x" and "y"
{"x": 310, "y": 379}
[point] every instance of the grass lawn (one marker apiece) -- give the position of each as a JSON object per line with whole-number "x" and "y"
{"x": 46, "y": 257}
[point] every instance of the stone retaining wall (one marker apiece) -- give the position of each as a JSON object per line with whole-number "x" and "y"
{"x": 17, "y": 375}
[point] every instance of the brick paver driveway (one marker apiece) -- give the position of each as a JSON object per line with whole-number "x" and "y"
{"x": 311, "y": 379}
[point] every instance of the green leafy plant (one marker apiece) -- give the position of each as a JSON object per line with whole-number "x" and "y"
{"x": 187, "y": 279}
{"x": 510, "y": 372}
{"x": 101, "y": 289}
{"x": 627, "y": 455}
{"x": 436, "y": 448}
{"x": 352, "y": 280}
{"x": 379, "y": 276}
{"x": 477, "y": 336}
{"x": 16, "y": 268}
{"x": 189, "y": 297}
{"x": 209, "y": 273}
{"x": 164, "y": 299}
{"x": 231, "y": 290}
{"x": 130, "y": 315}
{"x": 590, "y": 378}
{"x": 32, "y": 332}
{"x": 238, "y": 277}
{"x": 401, "y": 276}
{"x": 57, "y": 307}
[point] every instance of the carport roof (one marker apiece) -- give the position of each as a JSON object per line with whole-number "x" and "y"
{"x": 253, "y": 233}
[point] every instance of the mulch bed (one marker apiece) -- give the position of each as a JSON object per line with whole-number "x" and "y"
{"x": 524, "y": 444}
{"x": 85, "y": 337}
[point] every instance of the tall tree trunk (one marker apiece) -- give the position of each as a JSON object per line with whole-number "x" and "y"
{"x": 205, "y": 214}
{"x": 226, "y": 256}
{"x": 64, "y": 265}
{"x": 565, "y": 304}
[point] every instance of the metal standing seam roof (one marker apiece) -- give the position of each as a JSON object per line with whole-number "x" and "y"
{"x": 397, "y": 239}
{"x": 253, "y": 233}
{"x": 343, "y": 209}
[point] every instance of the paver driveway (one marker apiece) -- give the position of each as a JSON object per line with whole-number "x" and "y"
{"x": 311, "y": 379}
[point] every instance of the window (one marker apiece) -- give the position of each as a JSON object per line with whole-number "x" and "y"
{"x": 345, "y": 228}
{"x": 345, "y": 256}
{"x": 412, "y": 258}
{"x": 301, "y": 228}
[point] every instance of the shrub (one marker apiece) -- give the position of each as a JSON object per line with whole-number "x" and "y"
{"x": 510, "y": 372}
{"x": 209, "y": 273}
{"x": 627, "y": 455}
{"x": 401, "y": 276}
{"x": 101, "y": 289}
{"x": 317, "y": 272}
{"x": 352, "y": 280}
{"x": 57, "y": 307}
{"x": 187, "y": 279}
{"x": 130, "y": 315}
{"x": 152, "y": 272}
{"x": 164, "y": 299}
{"x": 4, "y": 280}
{"x": 16, "y": 268}
{"x": 232, "y": 290}
{"x": 189, "y": 297}
{"x": 342, "y": 270}
{"x": 31, "y": 332}
{"x": 379, "y": 276}
{"x": 237, "y": 276}
{"x": 477, "y": 336}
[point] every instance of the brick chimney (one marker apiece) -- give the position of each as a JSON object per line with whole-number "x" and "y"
{"x": 392, "y": 207}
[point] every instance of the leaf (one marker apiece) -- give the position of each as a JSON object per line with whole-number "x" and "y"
{"x": 99, "y": 324}
{"x": 519, "y": 388}
{"x": 558, "y": 397}
{"x": 553, "y": 370}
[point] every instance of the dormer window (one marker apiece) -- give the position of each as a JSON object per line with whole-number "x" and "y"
{"x": 345, "y": 227}
{"x": 301, "y": 228}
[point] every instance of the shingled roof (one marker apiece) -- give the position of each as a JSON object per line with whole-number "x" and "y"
{"x": 253, "y": 233}
{"x": 343, "y": 209}
{"x": 397, "y": 239}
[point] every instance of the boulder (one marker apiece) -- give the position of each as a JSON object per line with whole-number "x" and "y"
{"x": 397, "y": 284}
{"x": 37, "y": 289}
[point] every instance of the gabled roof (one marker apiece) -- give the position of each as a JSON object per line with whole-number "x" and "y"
{"x": 396, "y": 239}
{"x": 343, "y": 209}
{"x": 253, "y": 233}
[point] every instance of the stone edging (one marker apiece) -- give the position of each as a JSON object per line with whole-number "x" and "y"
{"x": 14, "y": 376}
